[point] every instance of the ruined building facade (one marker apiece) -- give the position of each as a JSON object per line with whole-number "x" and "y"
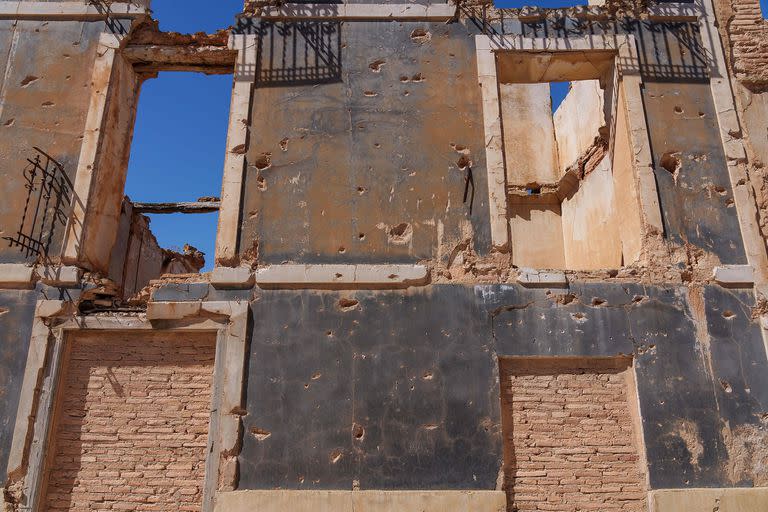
{"x": 430, "y": 292}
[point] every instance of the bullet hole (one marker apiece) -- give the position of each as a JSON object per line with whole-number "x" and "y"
{"x": 260, "y": 434}
{"x": 418, "y": 78}
{"x": 670, "y": 161}
{"x": 9, "y": 122}
{"x": 720, "y": 190}
{"x": 463, "y": 162}
{"x": 370, "y": 94}
{"x": 729, "y": 202}
{"x": 406, "y": 93}
{"x": 430, "y": 426}
{"x": 701, "y": 114}
{"x": 316, "y": 375}
{"x": 48, "y": 104}
{"x": 342, "y": 249}
{"x": 261, "y": 183}
{"x": 428, "y": 375}
{"x": 335, "y": 456}
{"x": 284, "y": 145}
{"x": 420, "y": 36}
{"x": 404, "y": 79}
{"x": 263, "y": 161}
{"x": 392, "y": 276}
{"x": 728, "y": 314}
{"x": 348, "y": 304}
{"x": 29, "y": 79}
{"x": 579, "y": 317}
{"x": 338, "y": 276}
{"x": 361, "y": 236}
{"x": 563, "y": 299}
{"x": 598, "y": 301}
{"x": 638, "y": 298}
{"x": 358, "y": 432}
{"x": 377, "y": 145}
{"x": 678, "y": 110}
{"x": 375, "y": 66}
{"x": 401, "y": 233}
{"x": 329, "y": 333}
{"x": 238, "y": 150}
{"x": 361, "y": 190}
{"x": 726, "y": 386}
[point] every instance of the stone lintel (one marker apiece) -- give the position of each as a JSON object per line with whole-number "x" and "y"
{"x": 438, "y": 12}
{"x": 368, "y": 501}
{"x": 341, "y": 276}
{"x": 64, "y": 11}
{"x": 61, "y": 276}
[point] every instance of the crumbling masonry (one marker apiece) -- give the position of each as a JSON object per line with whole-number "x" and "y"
{"x": 430, "y": 291}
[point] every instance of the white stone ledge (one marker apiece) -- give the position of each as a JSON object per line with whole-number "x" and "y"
{"x": 66, "y": 11}
{"x": 232, "y": 278}
{"x": 64, "y": 276}
{"x": 341, "y": 276}
{"x": 16, "y": 275}
{"x": 734, "y": 275}
{"x": 440, "y": 12}
{"x": 368, "y": 501}
{"x": 542, "y": 278}
{"x": 734, "y": 499}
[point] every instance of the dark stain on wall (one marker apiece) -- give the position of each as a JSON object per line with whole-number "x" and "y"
{"x": 17, "y": 310}
{"x": 400, "y": 390}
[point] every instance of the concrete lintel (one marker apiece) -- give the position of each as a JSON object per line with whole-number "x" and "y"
{"x": 61, "y": 276}
{"x": 439, "y": 12}
{"x": 16, "y": 275}
{"x": 734, "y": 499}
{"x": 542, "y": 278}
{"x": 734, "y": 275}
{"x": 67, "y": 11}
{"x": 370, "y": 501}
{"x": 232, "y": 278}
{"x": 341, "y": 276}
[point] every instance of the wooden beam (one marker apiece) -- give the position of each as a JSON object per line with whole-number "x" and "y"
{"x": 186, "y": 207}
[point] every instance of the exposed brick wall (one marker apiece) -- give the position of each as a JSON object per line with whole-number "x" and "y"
{"x": 569, "y": 443}
{"x": 132, "y": 423}
{"x": 748, "y": 33}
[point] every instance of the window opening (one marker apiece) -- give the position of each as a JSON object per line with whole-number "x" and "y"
{"x": 176, "y": 165}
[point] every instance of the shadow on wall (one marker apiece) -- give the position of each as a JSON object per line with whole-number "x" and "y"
{"x": 293, "y": 53}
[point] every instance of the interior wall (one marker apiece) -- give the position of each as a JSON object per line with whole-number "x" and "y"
{"x": 578, "y": 119}
{"x": 530, "y": 149}
{"x": 591, "y": 238}
{"x": 537, "y": 232}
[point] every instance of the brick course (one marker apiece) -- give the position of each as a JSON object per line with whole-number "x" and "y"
{"x": 748, "y": 33}
{"x": 132, "y": 423}
{"x": 568, "y": 438}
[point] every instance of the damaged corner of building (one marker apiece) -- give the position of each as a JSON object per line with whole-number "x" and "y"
{"x": 466, "y": 258}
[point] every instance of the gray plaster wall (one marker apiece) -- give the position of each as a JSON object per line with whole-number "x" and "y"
{"x": 417, "y": 373}
{"x": 363, "y": 132}
{"x": 46, "y": 84}
{"x": 17, "y": 310}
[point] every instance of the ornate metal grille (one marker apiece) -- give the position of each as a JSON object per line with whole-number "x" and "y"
{"x": 49, "y": 195}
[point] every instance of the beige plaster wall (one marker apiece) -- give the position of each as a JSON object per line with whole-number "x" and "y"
{"x": 578, "y": 119}
{"x": 530, "y": 150}
{"x": 537, "y": 232}
{"x": 591, "y": 238}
